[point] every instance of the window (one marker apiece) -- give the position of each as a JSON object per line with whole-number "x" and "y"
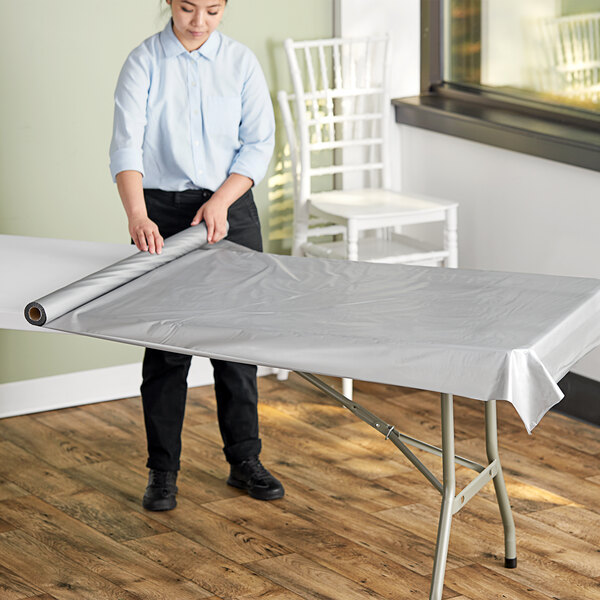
{"x": 520, "y": 75}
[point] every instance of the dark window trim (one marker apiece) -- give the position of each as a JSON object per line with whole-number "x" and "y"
{"x": 492, "y": 117}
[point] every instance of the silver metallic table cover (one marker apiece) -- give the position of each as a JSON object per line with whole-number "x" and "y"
{"x": 484, "y": 335}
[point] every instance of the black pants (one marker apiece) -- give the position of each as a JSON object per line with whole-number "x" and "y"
{"x": 164, "y": 385}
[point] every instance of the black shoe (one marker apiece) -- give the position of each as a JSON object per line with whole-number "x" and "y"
{"x": 250, "y": 475}
{"x": 161, "y": 490}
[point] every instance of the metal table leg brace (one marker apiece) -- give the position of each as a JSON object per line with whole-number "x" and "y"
{"x": 451, "y": 502}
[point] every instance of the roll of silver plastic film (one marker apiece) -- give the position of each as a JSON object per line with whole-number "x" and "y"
{"x": 97, "y": 284}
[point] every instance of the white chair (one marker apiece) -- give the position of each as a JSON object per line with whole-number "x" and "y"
{"x": 570, "y": 56}
{"x": 339, "y": 133}
{"x": 336, "y": 124}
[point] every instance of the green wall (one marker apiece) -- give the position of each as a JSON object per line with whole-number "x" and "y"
{"x": 576, "y": 7}
{"x": 59, "y": 63}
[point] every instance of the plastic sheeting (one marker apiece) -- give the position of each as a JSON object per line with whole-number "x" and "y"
{"x": 484, "y": 335}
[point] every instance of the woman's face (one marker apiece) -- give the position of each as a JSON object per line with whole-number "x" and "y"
{"x": 195, "y": 20}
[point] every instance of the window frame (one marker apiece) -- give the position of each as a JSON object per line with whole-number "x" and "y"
{"x": 514, "y": 122}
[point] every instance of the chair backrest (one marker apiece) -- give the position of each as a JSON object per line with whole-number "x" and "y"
{"x": 304, "y": 226}
{"x": 571, "y": 47}
{"x": 340, "y": 98}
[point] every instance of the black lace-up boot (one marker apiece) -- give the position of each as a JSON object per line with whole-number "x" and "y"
{"x": 161, "y": 491}
{"x": 250, "y": 475}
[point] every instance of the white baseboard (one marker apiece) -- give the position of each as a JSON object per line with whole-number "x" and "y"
{"x": 87, "y": 387}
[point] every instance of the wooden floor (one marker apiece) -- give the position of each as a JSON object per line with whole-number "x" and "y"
{"x": 357, "y": 522}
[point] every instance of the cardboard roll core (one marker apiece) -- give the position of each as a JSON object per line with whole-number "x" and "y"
{"x": 35, "y": 314}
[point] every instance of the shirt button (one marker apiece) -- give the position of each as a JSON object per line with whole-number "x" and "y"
{"x": 196, "y": 143}
{"x": 193, "y": 84}
{"x": 196, "y": 112}
{"x": 199, "y": 172}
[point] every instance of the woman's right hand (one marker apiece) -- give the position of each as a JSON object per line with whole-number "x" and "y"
{"x": 145, "y": 235}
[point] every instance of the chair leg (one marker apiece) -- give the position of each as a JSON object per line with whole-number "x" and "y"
{"x": 282, "y": 374}
{"x": 352, "y": 242}
{"x": 347, "y": 388}
{"x": 491, "y": 442}
{"x": 445, "y": 522}
{"x": 451, "y": 238}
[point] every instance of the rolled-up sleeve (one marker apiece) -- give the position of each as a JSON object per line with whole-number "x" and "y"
{"x": 257, "y": 127}
{"x": 131, "y": 98}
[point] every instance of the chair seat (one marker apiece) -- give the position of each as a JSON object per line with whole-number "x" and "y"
{"x": 401, "y": 249}
{"x": 370, "y": 203}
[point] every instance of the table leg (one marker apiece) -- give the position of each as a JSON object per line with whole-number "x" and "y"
{"x": 449, "y": 490}
{"x": 491, "y": 444}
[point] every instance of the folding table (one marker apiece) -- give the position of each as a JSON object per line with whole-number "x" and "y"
{"x": 484, "y": 335}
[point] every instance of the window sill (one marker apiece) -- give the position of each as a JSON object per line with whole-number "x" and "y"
{"x": 531, "y": 128}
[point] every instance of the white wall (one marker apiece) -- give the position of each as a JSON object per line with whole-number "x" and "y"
{"x": 517, "y": 212}
{"x": 401, "y": 20}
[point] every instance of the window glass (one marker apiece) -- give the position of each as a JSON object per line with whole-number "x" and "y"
{"x": 549, "y": 49}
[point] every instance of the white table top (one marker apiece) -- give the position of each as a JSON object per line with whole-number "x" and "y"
{"x": 32, "y": 267}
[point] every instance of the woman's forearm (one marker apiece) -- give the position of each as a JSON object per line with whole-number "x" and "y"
{"x": 129, "y": 184}
{"x": 233, "y": 187}
{"x": 143, "y": 231}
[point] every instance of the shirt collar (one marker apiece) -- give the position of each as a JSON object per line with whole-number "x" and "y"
{"x": 173, "y": 47}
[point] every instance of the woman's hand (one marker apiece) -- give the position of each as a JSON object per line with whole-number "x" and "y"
{"x": 145, "y": 235}
{"x": 214, "y": 213}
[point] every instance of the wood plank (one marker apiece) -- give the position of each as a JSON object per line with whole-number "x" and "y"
{"x": 562, "y": 457}
{"x": 304, "y": 467}
{"x": 562, "y": 483}
{"x": 480, "y": 528}
{"x": 33, "y": 474}
{"x": 479, "y": 582}
{"x": 54, "y": 447}
{"x": 316, "y": 409}
{"x": 84, "y": 549}
{"x": 127, "y": 486}
{"x": 574, "y": 520}
{"x": 211, "y": 571}
{"x": 476, "y": 535}
{"x": 81, "y": 425}
{"x": 380, "y": 550}
{"x": 416, "y": 412}
{"x": 14, "y": 587}
{"x": 45, "y": 568}
{"x": 542, "y": 539}
{"x": 219, "y": 534}
{"x": 323, "y": 445}
{"x": 524, "y": 497}
{"x": 581, "y": 436}
{"x": 10, "y": 490}
{"x": 547, "y": 577}
{"x": 116, "y": 480}
{"x": 310, "y": 580}
{"x": 279, "y": 594}
{"x": 326, "y": 446}
{"x": 107, "y": 516}
{"x": 556, "y": 511}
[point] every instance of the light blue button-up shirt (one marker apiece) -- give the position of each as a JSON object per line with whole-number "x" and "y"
{"x": 187, "y": 120}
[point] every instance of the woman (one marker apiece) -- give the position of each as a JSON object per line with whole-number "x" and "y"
{"x": 193, "y": 132}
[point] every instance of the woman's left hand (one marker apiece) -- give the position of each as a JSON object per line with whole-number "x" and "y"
{"x": 214, "y": 213}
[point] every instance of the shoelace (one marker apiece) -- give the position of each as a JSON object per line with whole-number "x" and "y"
{"x": 259, "y": 473}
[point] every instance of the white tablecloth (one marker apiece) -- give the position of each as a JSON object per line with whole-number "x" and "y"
{"x": 484, "y": 335}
